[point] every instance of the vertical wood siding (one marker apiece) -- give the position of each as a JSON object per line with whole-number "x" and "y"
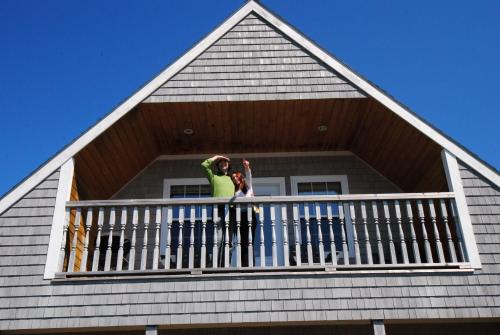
{"x": 254, "y": 61}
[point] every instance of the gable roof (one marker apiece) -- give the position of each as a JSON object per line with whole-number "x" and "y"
{"x": 291, "y": 33}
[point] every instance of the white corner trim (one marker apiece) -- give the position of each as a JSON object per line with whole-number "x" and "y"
{"x": 455, "y": 185}
{"x": 56, "y": 232}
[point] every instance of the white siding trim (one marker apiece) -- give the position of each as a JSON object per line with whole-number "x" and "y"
{"x": 455, "y": 185}
{"x": 38, "y": 176}
{"x": 56, "y": 232}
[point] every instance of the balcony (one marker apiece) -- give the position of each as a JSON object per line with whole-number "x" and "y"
{"x": 292, "y": 233}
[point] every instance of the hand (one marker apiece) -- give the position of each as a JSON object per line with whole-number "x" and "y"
{"x": 246, "y": 164}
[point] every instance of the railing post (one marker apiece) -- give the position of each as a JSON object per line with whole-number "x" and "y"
{"x": 215, "y": 246}
{"x": 285, "y": 234}
{"x": 402, "y": 241}
{"x": 357, "y": 254}
{"x": 250, "y": 237}
{"x": 451, "y": 245}
{"x": 180, "y": 242}
{"x": 427, "y": 246}
{"x": 112, "y": 219}
{"x": 123, "y": 223}
{"x": 192, "y": 220}
{"x": 227, "y": 217}
{"x": 308, "y": 235}
{"x": 273, "y": 235}
{"x": 144, "y": 252}
{"x": 368, "y": 245}
{"x": 320, "y": 235}
{"x": 414, "y": 243}
{"x": 97, "y": 251}
{"x": 262, "y": 245}
{"x": 296, "y": 221}
{"x": 378, "y": 237}
{"x": 88, "y": 224}
{"x": 333, "y": 248}
{"x": 72, "y": 257}
{"x": 169, "y": 233}
{"x": 135, "y": 222}
{"x": 203, "y": 255}
{"x": 238, "y": 236}
{"x": 345, "y": 250}
{"x": 439, "y": 246}
{"x": 392, "y": 249}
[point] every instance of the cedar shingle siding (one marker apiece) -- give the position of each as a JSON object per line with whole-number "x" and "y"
{"x": 254, "y": 61}
{"x": 27, "y": 301}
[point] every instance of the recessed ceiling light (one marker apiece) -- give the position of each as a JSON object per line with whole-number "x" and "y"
{"x": 188, "y": 131}
{"x": 322, "y": 128}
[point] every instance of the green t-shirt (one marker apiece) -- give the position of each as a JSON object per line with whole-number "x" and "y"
{"x": 222, "y": 185}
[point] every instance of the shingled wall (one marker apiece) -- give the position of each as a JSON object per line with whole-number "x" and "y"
{"x": 27, "y": 301}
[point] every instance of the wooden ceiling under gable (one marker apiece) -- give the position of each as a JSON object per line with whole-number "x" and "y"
{"x": 362, "y": 125}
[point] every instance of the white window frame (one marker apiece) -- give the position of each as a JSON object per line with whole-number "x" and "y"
{"x": 344, "y": 185}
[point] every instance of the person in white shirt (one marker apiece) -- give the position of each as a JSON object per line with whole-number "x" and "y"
{"x": 243, "y": 188}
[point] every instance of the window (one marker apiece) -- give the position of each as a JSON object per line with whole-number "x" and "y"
{"x": 323, "y": 185}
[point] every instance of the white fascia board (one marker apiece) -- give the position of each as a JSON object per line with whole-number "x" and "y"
{"x": 378, "y": 95}
{"x": 37, "y": 177}
{"x": 122, "y": 109}
{"x": 56, "y": 232}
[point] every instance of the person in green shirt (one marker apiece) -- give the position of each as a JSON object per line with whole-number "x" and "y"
{"x": 221, "y": 185}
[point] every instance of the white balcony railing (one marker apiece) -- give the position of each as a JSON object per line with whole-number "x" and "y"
{"x": 297, "y": 233}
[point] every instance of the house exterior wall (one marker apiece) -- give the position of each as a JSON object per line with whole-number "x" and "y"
{"x": 254, "y": 61}
{"x": 29, "y": 302}
{"x": 361, "y": 178}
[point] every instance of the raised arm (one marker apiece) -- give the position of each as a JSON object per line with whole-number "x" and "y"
{"x": 248, "y": 174}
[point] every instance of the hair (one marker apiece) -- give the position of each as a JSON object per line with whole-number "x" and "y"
{"x": 243, "y": 184}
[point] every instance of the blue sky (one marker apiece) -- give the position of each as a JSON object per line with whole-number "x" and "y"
{"x": 66, "y": 64}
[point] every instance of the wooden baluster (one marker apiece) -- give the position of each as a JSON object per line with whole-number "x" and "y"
{"x": 333, "y": 248}
{"x": 320, "y": 235}
{"x": 274, "y": 249}
{"x": 97, "y": 251}
{"x": 203, "y": 255}
{"x": 296, "y": 221}
{"x": 262, "y": 245}
{"x": 156, "y": 248}
{"x": 62, "y": 251}
{"x": 168, "y": 248}
{"x": 458, "y": 231}
{"x": 112, "y": 219}
{"x": 392, "y": 249}
{"x": 88, "y": 225}
{"x": 451, "y": 245}
{"x": 226, "y": 236}
{"x": 285, "y": 234}
{"x": 250, "y": 237}
{"x": 357, "y": 253}
{"x": 135, "y": 222}
{"x": 144, "y": 253}
{"x": 414, "y": 243}
{"x": 215, "y": 247}
{"x": 439, "y": 246}
{"x": 238, "y": 236}
{"x": 380, "y": 247}
{"x": 308, "y": 235}
{"x": 427, "y": 245}
{"x": 180, "y": 243}
{"x": 368, "y": 245}
{"x": 123, "y": 223}
{"x": 402, "y": 241}
{"x": 72, "y": 256}
{"x": 192, "y": 220}
{"x": 345, "y": 250}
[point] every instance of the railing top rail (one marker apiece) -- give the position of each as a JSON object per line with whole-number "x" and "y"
{"x": 266, "y": 199}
